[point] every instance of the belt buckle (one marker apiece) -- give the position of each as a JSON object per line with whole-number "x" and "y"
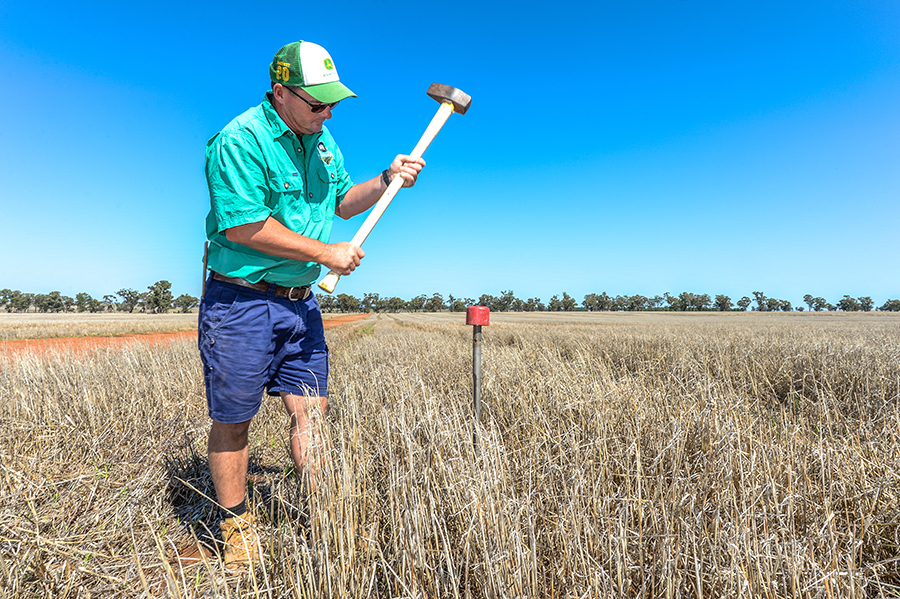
{"x": 290, "y": 294}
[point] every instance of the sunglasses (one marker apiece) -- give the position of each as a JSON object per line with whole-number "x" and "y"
{"x": 313, "y": 107}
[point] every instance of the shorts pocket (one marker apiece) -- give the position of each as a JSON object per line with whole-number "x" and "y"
{"x": 216, "y": 307}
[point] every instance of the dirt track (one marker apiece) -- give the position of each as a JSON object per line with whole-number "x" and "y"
{"x": 80, "y": 345}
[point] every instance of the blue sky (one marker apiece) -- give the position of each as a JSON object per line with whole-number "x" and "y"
{"x": 628, "y": 147}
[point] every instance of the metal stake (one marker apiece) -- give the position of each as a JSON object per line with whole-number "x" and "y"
{"x": 477, "y": 316}
{"x": 476, "y": 381}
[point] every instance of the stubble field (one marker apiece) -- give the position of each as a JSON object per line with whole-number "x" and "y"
{"x": 622, "y": 455}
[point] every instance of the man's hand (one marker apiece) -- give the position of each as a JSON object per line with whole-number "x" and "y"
{"x": 343, "y": 257}
{"x": 273, "y": 238}
{"x": 406, "y": 168}
{"x": 362, "y": 196}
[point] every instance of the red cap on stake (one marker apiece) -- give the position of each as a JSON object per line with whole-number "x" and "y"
{"x": 478, "y": 315}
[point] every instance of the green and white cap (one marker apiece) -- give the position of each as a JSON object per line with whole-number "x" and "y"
{"x": 309, "y": 66}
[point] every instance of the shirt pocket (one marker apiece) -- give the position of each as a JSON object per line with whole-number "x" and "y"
{"x": 322, "y": 191}
{"x": 287, "y": 200}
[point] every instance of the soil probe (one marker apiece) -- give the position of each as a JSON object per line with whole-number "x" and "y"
{"x": 477, "y": 316}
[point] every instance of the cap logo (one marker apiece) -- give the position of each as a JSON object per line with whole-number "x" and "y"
{"x": 316, "y": 65}
{"x": 283, "y": 72}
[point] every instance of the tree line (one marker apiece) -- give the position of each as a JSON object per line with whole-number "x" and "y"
{"x": 508, "y": 302}
{"x": 159, "y": 299}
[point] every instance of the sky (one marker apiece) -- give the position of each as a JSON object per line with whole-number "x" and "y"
{"x": 631, "y": 148}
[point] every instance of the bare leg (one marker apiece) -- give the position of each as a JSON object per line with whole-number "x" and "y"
{"x": 228, "y": 456}
{"x": 307, "y": 442}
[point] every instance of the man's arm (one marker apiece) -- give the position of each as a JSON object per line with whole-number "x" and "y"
{"x": 273, "y": 238}
{"x": 363, "y": 196}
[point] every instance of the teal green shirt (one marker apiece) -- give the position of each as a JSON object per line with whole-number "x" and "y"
{"x": 256, "y": 168}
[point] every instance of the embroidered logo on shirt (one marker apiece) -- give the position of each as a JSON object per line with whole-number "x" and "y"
{"x": 324, "y": 155}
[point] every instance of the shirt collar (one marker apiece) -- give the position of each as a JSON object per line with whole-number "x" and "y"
{"x": 278, "y": 126}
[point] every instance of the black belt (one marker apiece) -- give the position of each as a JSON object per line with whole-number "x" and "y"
{"x": 292, "y": 293}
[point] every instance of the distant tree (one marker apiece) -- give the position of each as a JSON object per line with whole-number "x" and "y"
{"x": 488, "y": 301}
{"x": 686, "y": 301}
{"x": 866, "y": 304}
{"x": 391, "y": 304}
{"x": 505, "y": 302}
{"x": 417, "y": 303}
{"x": 702, "y": 301}
{"x": 744, "y": 303}
{"x": 57, "y": 302}
{"x": 435, "y": 303}
{"x": 799, "y": 308}
{"x": 568, "y": 302}
{"x": 762, "y": 303}
{"x": 347, "y": 303}
{"x": 784, "y": 306}
{"x": 159, "y": 297}
{"x": 848, "y": 304}
{"x": 555, "y": 305}
{"x": 892, "y": 305}
{"x": 18, "y": 301}
{"x": 655, "y": 302}
{"x": 109, "y": 303}
{"x": 130, "y": 299}
{"x": 605, "y": 302}
{"x": 455, "y": 304}
{"x": 636, "y": 303}
{"x": 591, "y": 302}
{"x": 723, "y": 303}
{"x": 326, "y": 302}
{"x": 668, "y": 300}
{"x": 369, "y": 302}
{"x": 820, "y": 304}
{"x": 772, "y": 305}
{"x": 83, "y": 302}
{"x": 671, "y": 301}
{"x": 809, "y": 300}
{"x": 40, "y": 302}
{"x": 184, "y": 303}
{"x": 534, "y": 304}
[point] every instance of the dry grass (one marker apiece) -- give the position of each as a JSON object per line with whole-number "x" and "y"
{"x": 621, "y": 456}
{"x": 46, "y": 326}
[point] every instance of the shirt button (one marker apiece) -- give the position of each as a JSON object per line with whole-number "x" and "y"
{"x": 332, "y": 175}
{"x": 300, "y": 150}
{"x": 286, "y": 184}
{"x": 310, "y": 194}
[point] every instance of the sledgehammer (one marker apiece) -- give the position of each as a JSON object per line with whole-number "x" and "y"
{"x": 452, "y": 100}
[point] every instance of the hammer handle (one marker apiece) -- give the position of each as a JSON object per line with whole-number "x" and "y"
{"x": 443, "y": 113}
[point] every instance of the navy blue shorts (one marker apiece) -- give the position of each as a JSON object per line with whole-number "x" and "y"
{"x": 252, "y": 342}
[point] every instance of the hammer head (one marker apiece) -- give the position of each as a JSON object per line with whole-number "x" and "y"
{"x": 444, "y": 93}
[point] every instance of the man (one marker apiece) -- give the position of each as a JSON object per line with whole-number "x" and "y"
{"x": 276, "y": 179}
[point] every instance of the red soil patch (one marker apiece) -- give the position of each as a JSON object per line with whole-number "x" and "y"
{"x": 336, "y": 320}
{"x": 81, "y": 345}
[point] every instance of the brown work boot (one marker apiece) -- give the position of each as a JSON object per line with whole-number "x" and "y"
{"x": 242, "y": 546}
